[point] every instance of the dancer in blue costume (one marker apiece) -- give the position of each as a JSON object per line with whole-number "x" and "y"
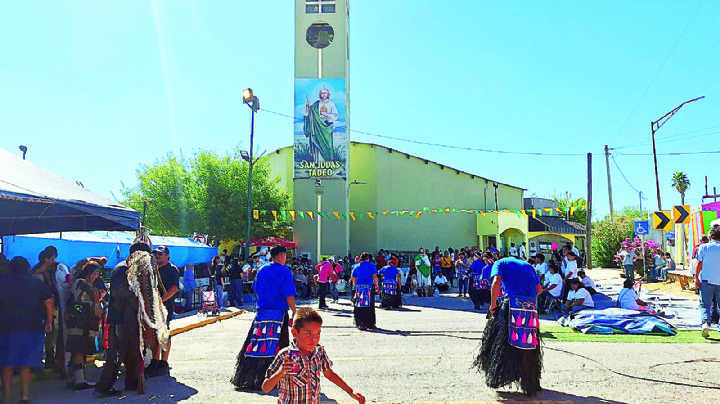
{"x": 275, "y": 292}
{"x": 510, "y": 351}
{"x": 364, "y": 277}
{"x": 392, "y": 282}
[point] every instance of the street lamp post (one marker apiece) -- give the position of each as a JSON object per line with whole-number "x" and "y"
{"x": 23, "y": 149}
{"x": 254, "y": 104}
{"x": 347, "y": 214}
{"x": 654, "y": 127}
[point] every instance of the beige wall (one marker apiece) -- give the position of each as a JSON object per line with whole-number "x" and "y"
{"x": 396, "y": 181}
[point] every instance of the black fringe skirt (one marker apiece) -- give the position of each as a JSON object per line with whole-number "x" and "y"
{"x": 391, "y": 300}
{"x": 365, "y": 316}
{"x": 504, "y": 364}
{"x": 250, "y": 372}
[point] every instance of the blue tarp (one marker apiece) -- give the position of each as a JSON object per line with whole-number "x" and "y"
{"x": 34, "y": 200}
{"x": 620, "y": 321}
{"x": 74, "y": 246}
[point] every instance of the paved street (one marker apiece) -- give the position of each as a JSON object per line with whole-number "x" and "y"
{"x": 423, "y": 354}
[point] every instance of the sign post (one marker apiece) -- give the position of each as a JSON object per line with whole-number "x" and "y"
{"x": 642, "y": 228}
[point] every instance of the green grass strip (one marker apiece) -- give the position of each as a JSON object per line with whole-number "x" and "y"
{"x": 566, "y": 334}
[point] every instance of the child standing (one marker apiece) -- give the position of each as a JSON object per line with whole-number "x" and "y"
{"x": 304, "y": 367}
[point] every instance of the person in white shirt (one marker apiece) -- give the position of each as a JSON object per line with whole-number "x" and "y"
{"x": 541, "y": 267}
{"x": 588, "y": 283}
{"x": 570, "y": 270}
{"x": 441, "y": 282}
{"x": 578, "y": 298}
{"x": 628, "y": 299}
{"x": 512, "y": 251}
{"x": 552, "y": 287}
{"x": 533, "y": 249}
{"x": 523, "y": 254}
{"x": 628, "y": 256}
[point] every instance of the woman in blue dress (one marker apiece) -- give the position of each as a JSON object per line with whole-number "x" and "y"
{"x": 392, "y": 282}
{"x": 364, "y": 278}
{"x": 480, "y": 280}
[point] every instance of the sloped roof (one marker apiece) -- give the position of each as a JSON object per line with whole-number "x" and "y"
{"x": 555, "y": 224}
{"x": 34, "y": 200}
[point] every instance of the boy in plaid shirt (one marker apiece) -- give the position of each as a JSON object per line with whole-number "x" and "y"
{"x": 296, "y": 369}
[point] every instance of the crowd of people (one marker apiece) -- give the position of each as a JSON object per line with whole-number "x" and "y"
{"x": 53, "y": 317}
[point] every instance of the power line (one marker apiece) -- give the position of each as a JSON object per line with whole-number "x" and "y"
{"x": 452, "y": 146}
{"x": 623, "y": 175}
{"x": 447, "y": 146}
{"x": 667, "y": 139}
{"x": 671, "y": 153}
{"x": 658, "y": 71}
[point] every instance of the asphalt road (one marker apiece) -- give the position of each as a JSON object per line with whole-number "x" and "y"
{"x": 423, "y": 353}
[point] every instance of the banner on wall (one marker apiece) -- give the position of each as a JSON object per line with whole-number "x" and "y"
{"x": 321, "y": 139}
{"x": 359, "y": 215}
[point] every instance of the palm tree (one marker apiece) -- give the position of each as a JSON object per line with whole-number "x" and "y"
{"x": 681, "y": 182}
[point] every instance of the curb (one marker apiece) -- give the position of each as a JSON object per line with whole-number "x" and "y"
{"x": 205, "y": 322}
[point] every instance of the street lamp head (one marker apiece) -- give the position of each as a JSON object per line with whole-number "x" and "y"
{"x": 247, "y": 95}
{"x": 250, "y": 99}
{"x": 23, "y": 149}
{"x": 245, "y": 155}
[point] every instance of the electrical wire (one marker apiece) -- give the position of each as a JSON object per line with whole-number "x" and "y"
{"x": 666, "y": 139}
{"x": 452, "y": 146}
{"x": 658, "y": 71}
{"x": 647, "y": 379}
{"x": 623, "y": 175}
{"x": 670, "y": 154}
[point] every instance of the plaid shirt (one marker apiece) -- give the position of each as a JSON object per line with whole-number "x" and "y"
{"x": 303, "y": 387}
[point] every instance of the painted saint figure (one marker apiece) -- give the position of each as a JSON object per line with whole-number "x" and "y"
{"x": 318, "y": 126}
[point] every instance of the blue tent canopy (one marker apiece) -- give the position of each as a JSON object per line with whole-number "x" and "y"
{"x": 34, "y": 200}
{"x": 74, "y": 246}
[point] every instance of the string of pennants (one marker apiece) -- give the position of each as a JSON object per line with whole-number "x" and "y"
{"x": 284, "y": 215}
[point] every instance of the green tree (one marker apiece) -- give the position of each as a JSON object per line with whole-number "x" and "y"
{"x": 207, "y": 194}
{"x": 681, "y": 182}
{"x": 608, "y": 234}
{"x": 566, "y": 201}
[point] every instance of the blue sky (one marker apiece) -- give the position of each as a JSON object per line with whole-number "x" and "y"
{"x": 96, "y": 87}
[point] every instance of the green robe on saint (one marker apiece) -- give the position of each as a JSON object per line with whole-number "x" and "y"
{"x": 319, "y": 132}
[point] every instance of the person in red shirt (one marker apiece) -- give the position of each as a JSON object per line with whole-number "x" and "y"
{"x": 380, "y": 260}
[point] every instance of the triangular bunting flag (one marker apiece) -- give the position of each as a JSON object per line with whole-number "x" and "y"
{"x": 283, "y": 215}
{"x": 434, "y": 211}
{"x": 534, "y": 213}
{"x": 420, "y": 212}
{"x": 302, "y": 214}
{"x": 337, "y": 215}
{"x": 370, "y": 215}
{"x": 344, "y": 215}
{"x": 352, "y": 215}
{"x": 256, "y": 214}
{"x": 385, "y": 213}
{"x": 274, "y": 213}
{"x": 482, "y": 212}
{"x": 292, "y": 214}
{"x": 311, "y": 214}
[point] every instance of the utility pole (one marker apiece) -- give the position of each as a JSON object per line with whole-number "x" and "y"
{"x": 607, "y": 167}
{"x": 588, "y": 223}
{"x": 654, "y": 127}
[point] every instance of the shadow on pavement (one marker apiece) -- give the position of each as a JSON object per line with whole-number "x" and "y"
{"x": 555, "y": 397}
{"x": 158, "y": 390}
